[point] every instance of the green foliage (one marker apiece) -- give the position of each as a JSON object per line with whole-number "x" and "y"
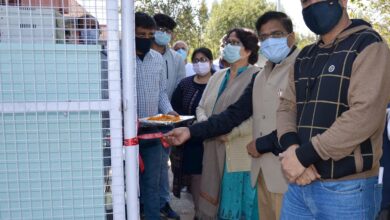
{"x": 187, "y": 17}
{"x": 230, "y": 14}
{"x": 377, "y": 12}
{"x": 304, "y": 40}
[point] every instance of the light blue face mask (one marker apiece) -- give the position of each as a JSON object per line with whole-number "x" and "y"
{"x": 162, "y": 38}
{"x": 275, "y": 49}
{"x": 231, "y": 53}
{"x": 182, "y": 53}
{"x": 90, "y": 36}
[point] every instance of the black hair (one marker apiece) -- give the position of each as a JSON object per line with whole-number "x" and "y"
{"x": 207, "y": 52}
{"x": 275, "y": 15}
{"x": 144, "y": 20}
{"x": 163, "y": 20}
{"x": 249, "y": 40}
{"x": 81, "y": 21}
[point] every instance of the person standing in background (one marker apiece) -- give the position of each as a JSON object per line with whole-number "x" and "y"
{"x": 173, "y": 61}
{"x": 174, "y": 66}
{"x": 182, "y": 48}
{"x": 187, "y": 159}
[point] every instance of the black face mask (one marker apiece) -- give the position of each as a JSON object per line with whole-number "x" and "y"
{"x": 322, "y": 17}
{"x": 143, "y": 44}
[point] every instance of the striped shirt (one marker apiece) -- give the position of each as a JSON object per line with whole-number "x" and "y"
{"x": 152, "y": 96}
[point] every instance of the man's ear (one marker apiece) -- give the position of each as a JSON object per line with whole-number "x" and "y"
{"x": 344, "y": 3}
{"x": 291, "y": 40}
{"x": 173, "y": 37}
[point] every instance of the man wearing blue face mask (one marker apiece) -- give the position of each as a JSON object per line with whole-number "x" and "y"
{"x": 277, "y": 40}
{"x": 182, "y": 48}
{"x": 174, "y": 61}
{"x": 175, "y": 70}
{"x": 331, "y": 117}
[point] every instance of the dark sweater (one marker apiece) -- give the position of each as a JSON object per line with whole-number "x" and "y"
{"x": 323, "y": 88}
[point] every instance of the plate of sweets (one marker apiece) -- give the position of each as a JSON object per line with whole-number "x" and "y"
{"x": 164, "y": 119}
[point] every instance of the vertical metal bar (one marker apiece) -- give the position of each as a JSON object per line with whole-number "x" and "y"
{"x": 130, "y": 107}
{"x": 278, "y": 5}
{"x": 113, "y": 56}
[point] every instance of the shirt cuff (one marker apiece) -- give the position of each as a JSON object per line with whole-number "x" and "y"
{"x": 307, "y": 155}
{"x": 289, "y": 139}
{"x": 268, "y": 143}
{"x": 264, "y": 145}
{"x": 197, "y": 130}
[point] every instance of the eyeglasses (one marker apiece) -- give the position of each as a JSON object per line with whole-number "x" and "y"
{"x": 180, "y": 48}
{"x": 232, "y": 42}
{"x": 163, "y": 29}
{"x": 202, "y": 60}
{"x": 275, "y": 34}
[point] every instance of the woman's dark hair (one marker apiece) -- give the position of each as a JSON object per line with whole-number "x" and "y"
{"x": 144, "y": 20}
{"x": 249, "y": 40}
{"x": 207, "y": 52}
{"x": 163, "y": 20}
{"x": 275, "y": 15}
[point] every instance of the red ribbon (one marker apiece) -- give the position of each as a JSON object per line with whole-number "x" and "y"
{"x": 135, "y": 141}
{"x": 130, "y": 142}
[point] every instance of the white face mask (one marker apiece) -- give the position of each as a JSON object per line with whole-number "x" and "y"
{"x": 201, "y": 68}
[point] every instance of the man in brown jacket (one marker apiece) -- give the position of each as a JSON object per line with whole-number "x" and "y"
{"x": 331, "y": 117}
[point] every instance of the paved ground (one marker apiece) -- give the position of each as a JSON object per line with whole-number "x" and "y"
{"x": 183, "y": 206}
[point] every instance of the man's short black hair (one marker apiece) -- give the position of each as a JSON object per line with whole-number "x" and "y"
{"x": 144, "y": 20}
{"x": 163, "y": 20}
{"x": 275, "y": 15}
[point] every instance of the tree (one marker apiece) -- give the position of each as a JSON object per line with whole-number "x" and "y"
{"x": 189, "y": 18}
{"x": 377, "y": 12}
{"x": 230, "y": 14}
{"x": 203, "y": 17}
{"x": 304, "y": 39}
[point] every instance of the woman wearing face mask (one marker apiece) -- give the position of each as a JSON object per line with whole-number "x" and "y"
{"x": 226, "y": 192}
{"x": 187, "y": 159}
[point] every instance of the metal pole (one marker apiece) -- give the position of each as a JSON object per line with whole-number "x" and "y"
{"x": 130, "y": 108}
{"x": 113, "y": 59}
{"x": 278, "y": 5}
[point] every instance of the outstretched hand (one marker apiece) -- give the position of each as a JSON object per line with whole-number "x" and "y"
{"x": 178, "y": 136}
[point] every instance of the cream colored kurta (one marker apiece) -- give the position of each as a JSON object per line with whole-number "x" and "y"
{"x": 267, "y": 89}
{"x": 215, "y": 152}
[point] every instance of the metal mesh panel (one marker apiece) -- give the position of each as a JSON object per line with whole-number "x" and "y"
{"x": 60, "y": 119}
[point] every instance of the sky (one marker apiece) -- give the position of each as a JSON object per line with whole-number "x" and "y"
{"x": 291, "y": 7}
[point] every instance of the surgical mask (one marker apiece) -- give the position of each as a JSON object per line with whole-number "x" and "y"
{"x": 275, "y": 49}
{"x": 231, "y": 53}
{"x": 162, "y": 38}
{"x": 90, "y": 36}
{"x": 201, "y": 69}
{"x": 322, "y": 17}
{"x": 182, "y": 53}
{"x": 143, "y": 44}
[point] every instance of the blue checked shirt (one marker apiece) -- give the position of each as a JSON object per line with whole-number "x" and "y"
{"x": 152, "y": 95}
